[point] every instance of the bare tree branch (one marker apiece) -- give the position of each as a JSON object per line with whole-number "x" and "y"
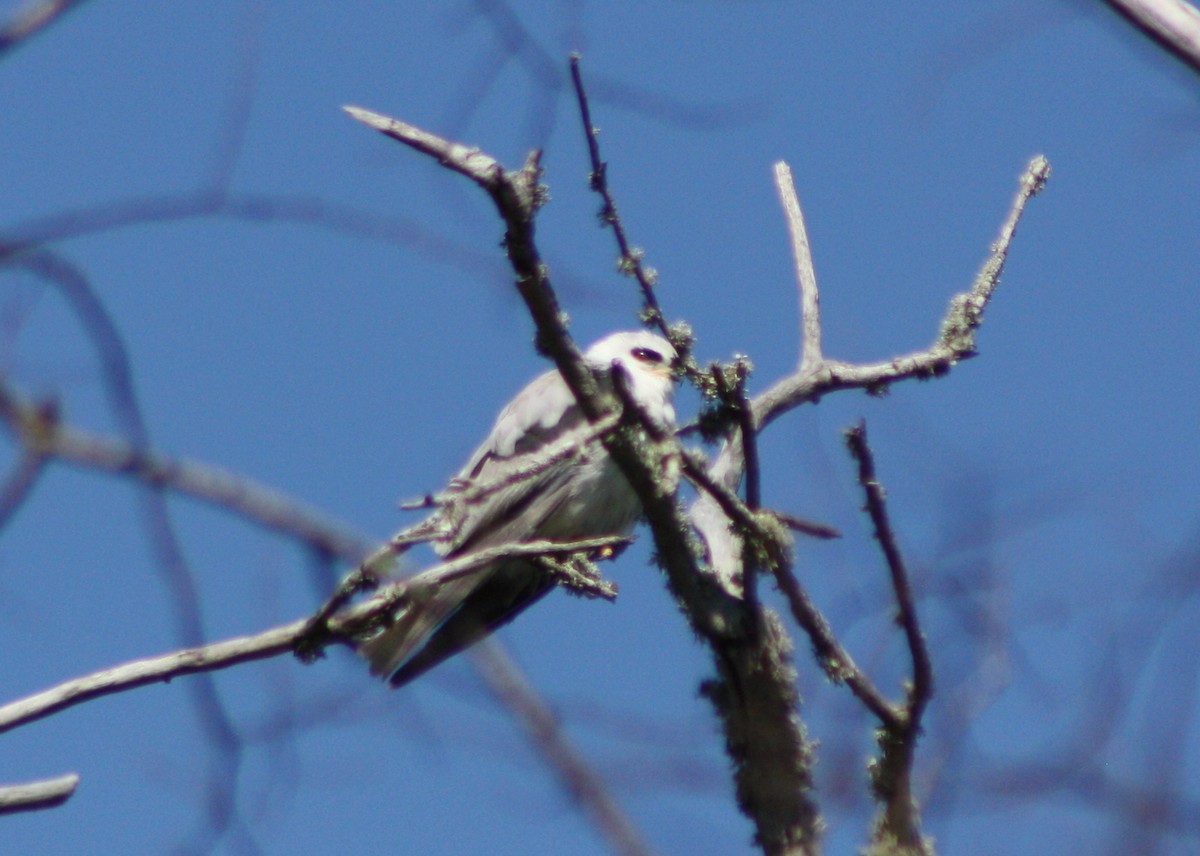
{"x": 922, "y": 688}
{"x": 806, "y": 276}
{"x": 33, "y": 796}
{"x": 821, "y": 375}
{"x": 45, "y": 438}
{"x": 755, "y": 695}
{"x": 170, "y": 561}
{"x": 818, "y": 376}
{"x": 955, "y": 341}
{"x": 138, "y": 673}
{"x": 517, "y": 195}
{"x": 347, "y": 625}
{"x": 251, "y": 208}
{"x": 1173, "y": 24}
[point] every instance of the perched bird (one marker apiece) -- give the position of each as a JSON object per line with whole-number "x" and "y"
{"x": 542, "y": 474}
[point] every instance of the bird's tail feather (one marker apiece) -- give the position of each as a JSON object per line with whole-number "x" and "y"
{"x": 451, "y": 617}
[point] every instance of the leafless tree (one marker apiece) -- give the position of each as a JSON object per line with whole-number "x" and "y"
{"x": 718, "y": 544}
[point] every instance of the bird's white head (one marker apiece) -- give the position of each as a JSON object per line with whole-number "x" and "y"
{"x": 647, "y": 359}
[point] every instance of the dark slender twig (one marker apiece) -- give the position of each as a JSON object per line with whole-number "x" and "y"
{"x": 631, "y": 258}
{"x": 694, "y": 467}
{"x": 834, "y": 659}
{"x": 811, "y": 528}
{"x": 740, "y": 514}
{"x": 899, "y": 821}
{"x": 906, "y": 615}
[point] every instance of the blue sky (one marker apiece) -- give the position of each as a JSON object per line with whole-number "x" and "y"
{"x": 1044, "y": 492}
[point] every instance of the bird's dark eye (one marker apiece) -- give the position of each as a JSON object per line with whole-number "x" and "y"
{"x": 647, "y": 355}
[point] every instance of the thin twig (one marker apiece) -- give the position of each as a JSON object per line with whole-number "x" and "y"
{"x": 906, "y": 617}
{"x": 834, "y": 659}
{"x": 811, "y": 528}
{"x": 955, "y": 341}
{"x": 806, "y": 276}
{"x": 579, "y": 576}
{"x": 517, "y": 195}
{"x": 837, "y": 662}
{"x": 631, "y": 258}
{"x": 738, "y": 512}
{"x": 899, "y": 821}
{"x": 149, "y": 670}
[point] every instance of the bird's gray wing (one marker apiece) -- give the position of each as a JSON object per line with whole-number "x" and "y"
{"x": 513, "y": 482}
{"x": 518, "y": 475}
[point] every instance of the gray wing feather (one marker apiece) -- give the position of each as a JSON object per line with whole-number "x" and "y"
{"x": 537, "y": 416}
{"x": 542, "y": 416}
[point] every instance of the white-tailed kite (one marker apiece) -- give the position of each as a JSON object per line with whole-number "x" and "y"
{"x": 542, "y": 474}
